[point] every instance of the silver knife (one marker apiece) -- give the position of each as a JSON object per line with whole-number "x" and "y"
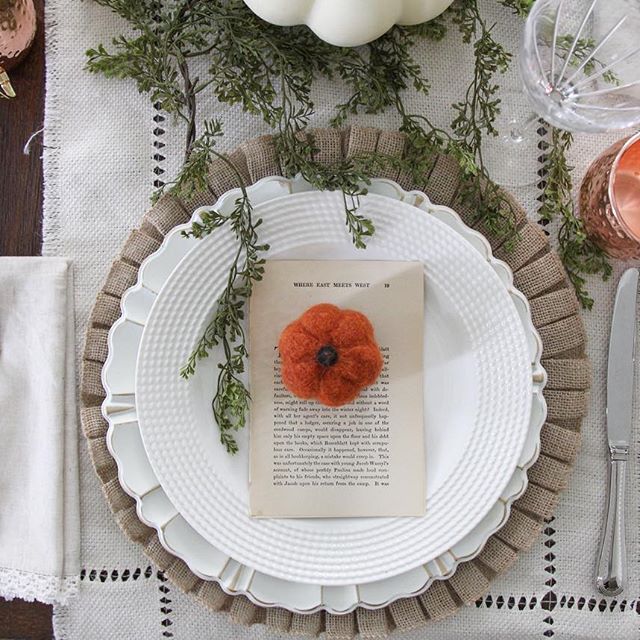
{"x": 611, "y": 569}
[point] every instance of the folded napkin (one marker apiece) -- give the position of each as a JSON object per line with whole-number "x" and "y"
{"x": 39, "y": 506}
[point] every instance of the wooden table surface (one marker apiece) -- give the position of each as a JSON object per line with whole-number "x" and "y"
{"x": 21, "y": 235}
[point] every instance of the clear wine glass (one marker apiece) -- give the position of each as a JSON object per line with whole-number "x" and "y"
{"x": 579, "y": 61}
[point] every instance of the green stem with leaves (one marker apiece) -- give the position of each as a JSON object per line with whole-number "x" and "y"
{"x": 226, "y": 330}
{"x": 579, "y": 254}
{"x": 270, "y": 72}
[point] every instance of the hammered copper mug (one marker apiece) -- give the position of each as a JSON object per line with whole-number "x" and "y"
{"x": 17, "y": 31}
{"x": 610, "y": 199}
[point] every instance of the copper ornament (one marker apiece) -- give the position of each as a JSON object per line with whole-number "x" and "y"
{"x": 17, "y": 31}
{"x": 609, "y": 199}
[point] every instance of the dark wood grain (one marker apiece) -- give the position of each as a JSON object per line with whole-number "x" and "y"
{"x": 21, "y": 620}
{"x": 21, "y": 234}
{"x": 21, "y": 175}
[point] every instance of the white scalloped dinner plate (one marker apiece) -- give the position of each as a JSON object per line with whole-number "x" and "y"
{"x": 484, "y": 408}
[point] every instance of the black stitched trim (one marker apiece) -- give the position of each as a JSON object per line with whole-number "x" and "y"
{"x": 165, "y": 605}
{"x": 550, "y": 599}
{"x": 103, "y": 575}
{"x": 158, "y": 145}
{"x": 543, "y": 146}
{"x": 507, "y": 602}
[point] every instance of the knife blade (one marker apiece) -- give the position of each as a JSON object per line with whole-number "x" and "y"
{"x": 621, "y": 360}
{"x": 611, "y": 564}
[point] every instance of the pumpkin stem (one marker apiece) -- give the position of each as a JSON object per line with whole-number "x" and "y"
{"x": 327, "y": 356}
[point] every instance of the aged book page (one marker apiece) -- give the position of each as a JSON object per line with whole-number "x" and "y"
{"x": 365, "y": 458}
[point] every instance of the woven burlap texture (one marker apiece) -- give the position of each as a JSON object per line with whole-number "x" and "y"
{"x": 538, "y": 273}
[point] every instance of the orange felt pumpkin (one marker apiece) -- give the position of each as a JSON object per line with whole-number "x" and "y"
{"x": 329, "y": 354}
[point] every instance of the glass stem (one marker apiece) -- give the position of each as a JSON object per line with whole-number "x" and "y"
{"x": 519, "y": 129}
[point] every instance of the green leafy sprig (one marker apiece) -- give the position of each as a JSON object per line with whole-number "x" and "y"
{"x": 474, "y": 119}
{"x": 582, "y": 51}
{"x": 182, "y": 49}
{"x": 578, "y": 252}
{"x": 231, "y": 400}
{"x": 519, "y": 7}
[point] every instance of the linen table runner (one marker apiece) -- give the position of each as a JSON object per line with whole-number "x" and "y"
{"x": 106, "y": 148}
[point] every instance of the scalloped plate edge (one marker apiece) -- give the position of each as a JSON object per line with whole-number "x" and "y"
{"x": 117, "y": 405}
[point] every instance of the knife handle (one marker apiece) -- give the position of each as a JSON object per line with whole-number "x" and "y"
{"x": 611, "y": 570}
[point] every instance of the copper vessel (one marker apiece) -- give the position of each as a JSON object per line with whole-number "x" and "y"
{"x": 610, "y": 199}
{"x": 17, "y": 31}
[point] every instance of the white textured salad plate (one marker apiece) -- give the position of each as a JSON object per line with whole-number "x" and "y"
{"x": 484, "y": 408}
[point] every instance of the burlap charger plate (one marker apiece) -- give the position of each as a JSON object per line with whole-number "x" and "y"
{"x": 538, "y": 273}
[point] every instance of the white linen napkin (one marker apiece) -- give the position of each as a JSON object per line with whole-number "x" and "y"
{"x": 39, "y": 504}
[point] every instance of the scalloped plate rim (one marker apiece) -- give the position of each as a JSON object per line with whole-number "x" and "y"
{"x": 539, "y": 383}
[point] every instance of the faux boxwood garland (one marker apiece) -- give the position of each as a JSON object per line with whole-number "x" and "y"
{"x": 538, "y": 273}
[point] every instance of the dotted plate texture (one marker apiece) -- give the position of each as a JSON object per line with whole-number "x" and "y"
{"x": 176, "y": 424}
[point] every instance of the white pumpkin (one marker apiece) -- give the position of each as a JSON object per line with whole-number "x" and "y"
{"x": 348, "y": 23}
